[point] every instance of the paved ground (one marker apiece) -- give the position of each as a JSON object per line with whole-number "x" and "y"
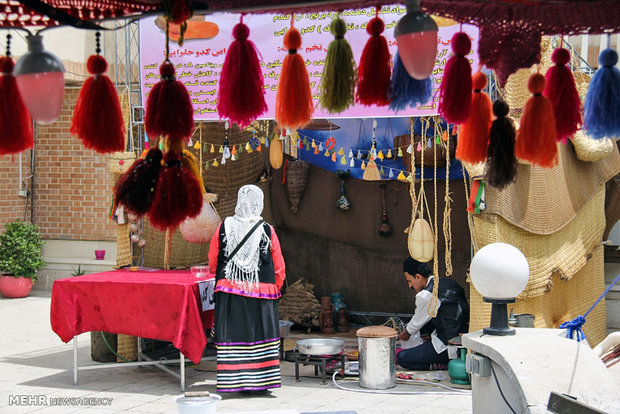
{"x": 37, "y": 365}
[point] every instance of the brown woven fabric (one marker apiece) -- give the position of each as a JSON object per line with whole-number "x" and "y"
{"x": 562, "y": 253}
{"x": 565, "y": 300}
{"x": 342, "y": 251}
{"x": 543, "y": 200}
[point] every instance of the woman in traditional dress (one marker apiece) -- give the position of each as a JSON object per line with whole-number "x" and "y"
{"x": 246, "y": 258}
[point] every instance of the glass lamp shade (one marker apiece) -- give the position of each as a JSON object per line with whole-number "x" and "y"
{"x": 40, "y": 81}
{"x": 499, "y": 271}
{"x": 416, "y": 36}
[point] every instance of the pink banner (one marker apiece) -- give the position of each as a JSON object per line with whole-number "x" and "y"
{"x": 199, "y": 61}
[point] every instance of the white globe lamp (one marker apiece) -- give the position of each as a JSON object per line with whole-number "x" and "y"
{"x": 499, "y": 272}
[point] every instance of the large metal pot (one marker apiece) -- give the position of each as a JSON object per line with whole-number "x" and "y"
{"x": 320, "y": 346}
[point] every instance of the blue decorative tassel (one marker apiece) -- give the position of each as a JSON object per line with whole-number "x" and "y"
{"x": 405, "y": 90}
{"x": 602, "y": 108}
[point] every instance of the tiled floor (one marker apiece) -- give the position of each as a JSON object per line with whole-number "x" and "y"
{"x": 36, "y": 369}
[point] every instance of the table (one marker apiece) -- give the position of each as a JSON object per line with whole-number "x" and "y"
{"x": 157, "y": 304}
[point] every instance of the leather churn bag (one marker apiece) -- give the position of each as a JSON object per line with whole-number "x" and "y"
{"x": 200, "y": 229}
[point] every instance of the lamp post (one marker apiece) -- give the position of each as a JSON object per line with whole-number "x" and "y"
{"x": 499, "y": 271}
{"x": 40, "y": 81}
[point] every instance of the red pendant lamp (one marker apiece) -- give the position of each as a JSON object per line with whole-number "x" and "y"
{"x": 416, "y": 35}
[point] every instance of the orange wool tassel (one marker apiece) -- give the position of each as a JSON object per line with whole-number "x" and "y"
{"x": 473, "y": 138}
{"x": 294, "y": 99}
{"x": 536, "y": 139}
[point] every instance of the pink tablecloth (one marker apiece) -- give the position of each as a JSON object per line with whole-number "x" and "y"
{"x": 163, "y": 304}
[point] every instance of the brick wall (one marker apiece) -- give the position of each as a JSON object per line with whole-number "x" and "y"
{"x": 72, "y": 185}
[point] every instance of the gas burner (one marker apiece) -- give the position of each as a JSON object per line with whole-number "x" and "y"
{"x": 325, "y": 362}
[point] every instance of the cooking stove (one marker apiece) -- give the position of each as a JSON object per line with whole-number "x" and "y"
{"x": 324, "y": 362}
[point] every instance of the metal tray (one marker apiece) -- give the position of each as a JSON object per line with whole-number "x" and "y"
{"x": 320, "y": 346}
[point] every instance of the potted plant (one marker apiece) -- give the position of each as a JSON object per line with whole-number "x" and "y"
{"x": 20, "y": 258}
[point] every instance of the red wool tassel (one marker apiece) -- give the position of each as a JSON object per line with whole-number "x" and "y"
{"x": 169, "y": 110}
{"x": 15, "y": 122}
{"x": 455, "y": 88}
{"x": 136, "y": 188}
{"x": 294, "y": 99}
{"x": 562, "y": 93}
{"x": 178, "y": 195}
{"x": 474, "y": 134}
{"x": 536, "y": 137}
{"x": 241, "y": 97}
{"x": 375, "y": 68}
{"x": 97, "y": 118}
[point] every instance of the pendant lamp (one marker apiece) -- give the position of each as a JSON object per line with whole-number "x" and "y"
{"x": 40, "y": 80}
{"x": 416, "y": 36}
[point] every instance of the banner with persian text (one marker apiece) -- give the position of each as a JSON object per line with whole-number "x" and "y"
{"x": 199, "y": 61}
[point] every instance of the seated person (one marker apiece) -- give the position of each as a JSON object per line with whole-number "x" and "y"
{"x": 452, "y": 318}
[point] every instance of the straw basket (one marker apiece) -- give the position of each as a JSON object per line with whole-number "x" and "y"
{"x": 127, "y": 348}
{"x": 119, "y": 162}
{"x": 296, "y": 180}
{"x": 590, "y": 149}
{"x": 565, "y": 300}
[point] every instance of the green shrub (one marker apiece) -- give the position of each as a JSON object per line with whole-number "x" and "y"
{"x": 20, "y": 250}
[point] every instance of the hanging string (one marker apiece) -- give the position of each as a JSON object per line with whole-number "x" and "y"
{"x": 167, "y": 246}
{"x": 433, "y": 305}
{"x": 447, "y": 212}
{"x": 414, "y": 200}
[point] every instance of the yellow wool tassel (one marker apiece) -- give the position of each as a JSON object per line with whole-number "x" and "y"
{"x": 343, "y": 160}
{"x": 212, "y": 148}
{"x": 400, "y": 152}
{"x": 380, "y": 155}
{"x": 389, "y": 154}
{"x": 215, "y": 163}
{"x": 363, "y": 165}
{"x": 401, "y": 176}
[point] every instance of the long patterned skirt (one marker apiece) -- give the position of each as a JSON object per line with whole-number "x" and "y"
{"x": 247, "y": 337}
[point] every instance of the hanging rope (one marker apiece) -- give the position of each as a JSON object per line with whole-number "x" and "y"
{"x": 447, "y": 212}
{"x": 414, "y": 200}
{"x": 433, "y": 305}
{"x": 167, "y": 245}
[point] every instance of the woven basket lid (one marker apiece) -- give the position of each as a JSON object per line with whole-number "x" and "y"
{"x": 376, "y": 332}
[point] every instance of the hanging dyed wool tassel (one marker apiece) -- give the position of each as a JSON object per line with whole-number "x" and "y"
{"x": 339, "y": 73}
{"x": 241, "y": 97}
{"x": 136, "y": 188}
{"x": 97, "y": 118}
{"x": 602, "y": 107}
{"x": 472, "y": 143}
{"x": 455, "y": 88}
{"x": 405, "y": 90}
{"x": 178, "y": 195}
{"x": 536, "y": 137}
{"x": 177, "y": 12}
{"x": 15, "y": 122}
{"x": 375, "y": 67}
{"x": 169, "y": 111}
{"x": 188, "y": 159}
{"x": 501, "y": 165}
{"x": 562, "y": 93}
{"x": 294, "y": 98}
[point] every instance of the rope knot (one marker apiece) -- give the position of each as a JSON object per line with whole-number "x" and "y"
{"x": 574, "y": 326}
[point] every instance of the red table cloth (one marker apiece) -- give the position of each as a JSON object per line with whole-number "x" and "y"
{"x": 162, "y": 304}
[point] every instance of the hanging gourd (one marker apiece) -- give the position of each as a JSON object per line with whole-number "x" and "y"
{"x": 200, "y": 229}
{"x": 276, "y": 155}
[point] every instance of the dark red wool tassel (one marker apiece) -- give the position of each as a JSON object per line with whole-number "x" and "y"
{"x": 562, "y": 93}
{"x": 501, "y": 166}
{"x": 241, "y": 97}
{"x": 178, "y": 195}
{"x": 97, "y": 118}
{"x": 169, "y": 110}
{"x": 474, "y": 133}
{"x": 536, "y": 139}
{"x": 136, "y": 188}
{"x": 15, "y": 122}
{"x": 455, "y": 88}
{"x": 375, "y": 69}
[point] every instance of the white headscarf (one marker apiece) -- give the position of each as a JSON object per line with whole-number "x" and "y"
{"x": 244, "y": 266}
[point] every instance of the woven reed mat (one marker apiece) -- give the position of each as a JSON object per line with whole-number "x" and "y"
{"x": 126, "y": 347}
{"x": 123, "y": 245}
{"x": 225, "y": 180}
{"x": 182, "y": 253}
{"x": 565, "y": 300}
{"x": 612, "y": 201}
{"x": 561, "y": 254}
{"x": 544, "y": 200}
